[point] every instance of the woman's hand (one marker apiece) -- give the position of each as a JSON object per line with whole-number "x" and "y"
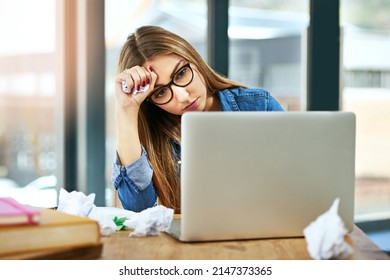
{"x": 134, "y": 78}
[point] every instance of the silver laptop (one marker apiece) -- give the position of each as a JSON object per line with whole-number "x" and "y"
{"x": 249, "y": 175}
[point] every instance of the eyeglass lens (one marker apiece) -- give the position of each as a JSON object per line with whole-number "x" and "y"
{"x": 182, "y": 78}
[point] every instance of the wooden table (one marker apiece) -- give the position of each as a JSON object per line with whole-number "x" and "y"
{"x": 120, "y": 246}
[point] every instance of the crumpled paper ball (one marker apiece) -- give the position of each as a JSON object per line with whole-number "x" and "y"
{"x": 146, "y": 223}
{"x": 75, "y": 203}
{"x": 325, "y": 236}
{"x": 150, "y": 221}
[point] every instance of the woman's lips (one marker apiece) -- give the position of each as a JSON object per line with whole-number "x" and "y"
{"x": 192, "y": 106}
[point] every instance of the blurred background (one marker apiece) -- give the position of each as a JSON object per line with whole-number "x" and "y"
{"x": 267, "y": 48}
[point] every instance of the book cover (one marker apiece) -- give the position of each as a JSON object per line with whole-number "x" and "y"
{"x": 12, "y": 212}
{"x": 55, "y": 231}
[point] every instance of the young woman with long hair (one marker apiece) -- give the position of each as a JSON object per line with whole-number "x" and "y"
{"x": 160, "y": 77}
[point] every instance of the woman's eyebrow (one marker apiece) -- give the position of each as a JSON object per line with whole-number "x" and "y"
{"x": 173, "y": 72}
{"x": 175, "y": 69}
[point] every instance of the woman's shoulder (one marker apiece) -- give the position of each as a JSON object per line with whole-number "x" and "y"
{"x": 242, "y": 92}
{"x": 247, "y": 99}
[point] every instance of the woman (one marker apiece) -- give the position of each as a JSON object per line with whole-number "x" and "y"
{"x": 161, "y": 76}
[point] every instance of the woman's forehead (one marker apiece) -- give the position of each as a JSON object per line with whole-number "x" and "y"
{"x": 163, "y": 60}
{"x": 164, "y": 66}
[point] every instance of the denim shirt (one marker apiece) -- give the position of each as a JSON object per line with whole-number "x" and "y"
{"x": 134, "y": 182}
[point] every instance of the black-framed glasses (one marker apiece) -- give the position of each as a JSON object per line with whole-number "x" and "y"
{"x": 164, "y": 94}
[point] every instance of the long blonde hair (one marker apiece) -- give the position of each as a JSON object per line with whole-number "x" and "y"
{"x": 158, "y": 129}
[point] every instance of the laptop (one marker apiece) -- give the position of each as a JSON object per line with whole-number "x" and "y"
{"x": 251, "y": 175}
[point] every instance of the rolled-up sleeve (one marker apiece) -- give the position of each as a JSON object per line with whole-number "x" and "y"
{"x": 134, "y": 183}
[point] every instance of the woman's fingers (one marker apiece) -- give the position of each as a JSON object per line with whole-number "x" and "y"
{"x": 134, "y": 80}
{"x": 133, "y": 86}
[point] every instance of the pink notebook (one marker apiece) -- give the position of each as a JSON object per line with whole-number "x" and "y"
{"x": 13, "y": 212}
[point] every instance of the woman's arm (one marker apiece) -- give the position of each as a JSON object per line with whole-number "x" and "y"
{"x": 127, "y": 109}
{"x": 132, "y": 174}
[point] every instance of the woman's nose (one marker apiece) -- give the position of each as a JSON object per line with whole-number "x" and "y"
{"x": 181, "y": 94}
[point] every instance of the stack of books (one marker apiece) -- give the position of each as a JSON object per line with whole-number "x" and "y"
{"x": 28, "y": 232}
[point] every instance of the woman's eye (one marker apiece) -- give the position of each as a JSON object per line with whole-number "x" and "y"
{"x": 180, "y": 74}
{"x": 160, "y": 93}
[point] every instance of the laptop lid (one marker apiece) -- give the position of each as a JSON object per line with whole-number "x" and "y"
{"x": 247, "y": 175}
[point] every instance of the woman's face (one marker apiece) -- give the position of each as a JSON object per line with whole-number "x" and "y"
{"x": 192, "y": 97}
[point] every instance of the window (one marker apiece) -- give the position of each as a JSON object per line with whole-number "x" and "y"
{"x": 28, "y": 114}
{"x": 366, "y": 92}
{"x": 266, "y": 47}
